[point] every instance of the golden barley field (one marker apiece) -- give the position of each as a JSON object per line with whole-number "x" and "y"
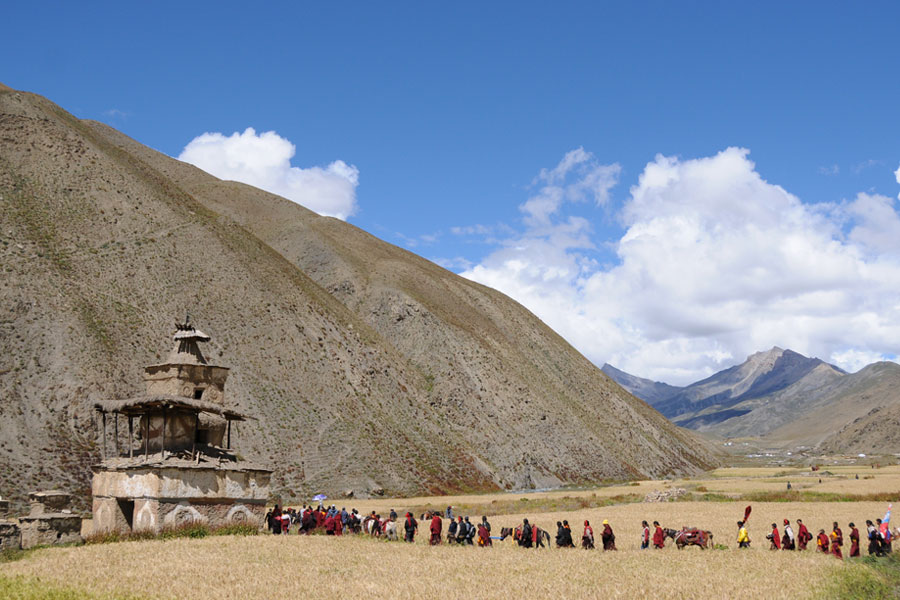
{"x": 322, "y": 567}
{"x": 325, "y": 567}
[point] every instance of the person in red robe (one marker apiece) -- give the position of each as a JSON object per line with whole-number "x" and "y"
{"x": 787, "y": 540}
{"x": 608, "y": 537}
{"x": 329, "y": 525}
{"x": 803, "y": 535}
{"x": 837, "y": 540}
{"x": 822, "y": 541}
{"x": 774, "y": 538}
{"x": 659, "y": 536}
{"x": 338, "y": 526}
{"x": 484, "y": 536}
{"x": 854, "y": 540}
{"x": 436, "y": 526}
{"x": 320, "y": 518}
{"x": 587, "y": 538}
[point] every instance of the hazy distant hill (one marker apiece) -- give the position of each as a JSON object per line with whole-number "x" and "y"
{"x": 368, "y": 366}
{"x": 859, "y": 412}
{"x": 787, "y": 399}
{"x": 652, "y": 392}
{"x": 723, "y": 395}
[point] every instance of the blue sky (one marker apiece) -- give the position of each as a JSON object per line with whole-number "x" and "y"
{"x": 430, "y": 120}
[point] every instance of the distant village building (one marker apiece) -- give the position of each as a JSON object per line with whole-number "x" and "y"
{"x": 176, "y": 464}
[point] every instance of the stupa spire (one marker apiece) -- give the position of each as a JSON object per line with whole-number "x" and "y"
{"x": 187, "y": 349}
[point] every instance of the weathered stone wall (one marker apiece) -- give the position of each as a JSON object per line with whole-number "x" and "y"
{"x": 48, "y": 530}
{"x": 181, "y": 483}
{"x": 107, "y": 516}
{"x": 171, "y": 496}
{"x": 182, "y": 380}
{"x": 213, "y": 514}
{"x": 153, "y": 515}
{"x": 10, "y": 536}
{"x": 48, "y": 502}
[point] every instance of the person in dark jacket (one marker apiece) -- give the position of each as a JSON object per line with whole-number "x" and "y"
{"x": 487, "y": 525}
{"x": 470, "y": 532}
{"x": 410, "y": 526}
{"x": 525, "y": 538}
{"x": 275, "y": 520}
{"x": 462, "y": 530}
{"x": 451, "y": 531}
{"x": 559, "y": 534}
{"x": 564, "y": 535}
{"x": 874, "y": 539}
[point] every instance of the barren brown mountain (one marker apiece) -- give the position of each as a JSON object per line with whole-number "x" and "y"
{"x": 369, "y": 367}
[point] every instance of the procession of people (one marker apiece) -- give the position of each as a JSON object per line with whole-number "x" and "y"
{"x": 461, "y": 531}
{"x": 878, "y": 534}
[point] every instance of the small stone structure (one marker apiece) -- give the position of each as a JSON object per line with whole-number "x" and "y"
{"x": 10, "y": 537}
{"x": 665, "y": 495}
{"x": 178, "y": 466}
{"x": 49, "y": 521}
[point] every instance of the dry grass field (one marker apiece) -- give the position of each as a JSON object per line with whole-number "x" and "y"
{"x": 324, "y": 567}
{"x": 727, "y": 481}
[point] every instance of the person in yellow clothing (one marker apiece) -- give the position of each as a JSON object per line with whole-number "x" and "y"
{"x": 743, "y": 537}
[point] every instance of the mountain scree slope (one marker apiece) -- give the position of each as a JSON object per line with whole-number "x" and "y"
{"x": 369, "y": 368}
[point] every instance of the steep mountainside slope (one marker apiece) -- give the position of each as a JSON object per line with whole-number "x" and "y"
{"x": 367, "y": 366}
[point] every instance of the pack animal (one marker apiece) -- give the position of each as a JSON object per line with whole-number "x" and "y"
{"x": 690, "y": 536}
{"x": 539, "y": 536}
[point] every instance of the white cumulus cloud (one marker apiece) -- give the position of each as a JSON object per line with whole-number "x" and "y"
{"x": 715, "y": 263}
{"x": 897, "y": 175}
{"x": 264, "y": 161}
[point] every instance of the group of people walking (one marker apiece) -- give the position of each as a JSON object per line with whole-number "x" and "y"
{"x": 461, "y": 531}
{"x": 308, "y": 519}
{"x": 564, "y": 536}
{"x": 879, "y": 537}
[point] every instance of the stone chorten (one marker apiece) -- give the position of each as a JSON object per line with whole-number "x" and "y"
{"x": 10, "y": 537}
{"x": 50, "y": 521}
{"x": 178, "y": 466}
